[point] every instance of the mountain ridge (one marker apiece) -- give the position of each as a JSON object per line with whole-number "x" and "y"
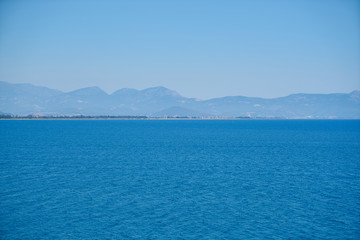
{"x": 25, "y": 99}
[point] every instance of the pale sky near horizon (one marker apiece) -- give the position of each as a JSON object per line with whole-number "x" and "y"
{"x": 199, "y": 48}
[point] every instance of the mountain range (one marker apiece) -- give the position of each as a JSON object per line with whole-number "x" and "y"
{"x": 28, "y": 99}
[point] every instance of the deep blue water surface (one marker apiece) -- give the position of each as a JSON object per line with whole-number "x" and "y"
{"x": 141, "y": 179}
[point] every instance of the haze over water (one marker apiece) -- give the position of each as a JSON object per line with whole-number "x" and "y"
{"x": 139, "y": 179}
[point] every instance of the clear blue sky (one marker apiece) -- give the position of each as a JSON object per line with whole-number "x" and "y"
{"x": 200, "y": 48}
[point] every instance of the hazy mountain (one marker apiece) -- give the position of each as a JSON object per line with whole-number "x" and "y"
{"x": 24, "y": 99}
{"x": 296, "y": 105}
{"x": 145, "y": 102}
{"x": 82, "y": 101}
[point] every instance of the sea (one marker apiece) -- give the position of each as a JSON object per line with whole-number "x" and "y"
{"x": 180, "y": 179}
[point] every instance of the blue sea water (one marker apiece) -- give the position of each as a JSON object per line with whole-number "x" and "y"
{"x": 180, "y": 179}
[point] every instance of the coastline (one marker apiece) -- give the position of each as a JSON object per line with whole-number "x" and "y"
{"x": 170, "y": 118}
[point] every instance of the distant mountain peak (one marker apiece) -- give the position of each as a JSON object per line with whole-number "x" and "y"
{"x": 355, "y": 95}
{"x": 357, "y": 92}
{"x": 125, "y": 91}
{"x": 88, "y": 91}
{"x": 160, "y": 91}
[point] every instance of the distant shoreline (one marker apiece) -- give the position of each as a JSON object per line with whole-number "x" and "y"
{"x": 164, "y": 118}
